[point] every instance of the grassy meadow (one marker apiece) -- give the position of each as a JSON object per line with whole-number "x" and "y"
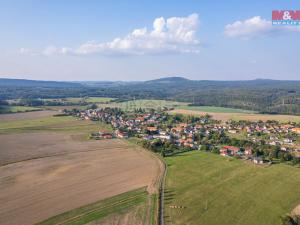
{"x": 98, "y": 100}
{"x": 214, "y": 109}
{"x": 85, "y": 99}
{"x": 215, "y": 190}
{"x": 16, "y": 109}
{"x": 144, "y": 104}
{"x": 52, "y": 123}
{"x": 225, "y": 116}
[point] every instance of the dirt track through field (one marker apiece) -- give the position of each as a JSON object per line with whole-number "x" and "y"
{"x": 51, "y": 173}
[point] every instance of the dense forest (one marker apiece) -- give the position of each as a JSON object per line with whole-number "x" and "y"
{"x": 266, "y": 96}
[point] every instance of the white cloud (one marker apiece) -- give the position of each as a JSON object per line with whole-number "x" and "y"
{"x": 27, "y": 51}
{"x": 255, "y": 27}
{"x": 24, "y": 50}
{"x": 171, "y": 35}
{"x": 51, "y": 50}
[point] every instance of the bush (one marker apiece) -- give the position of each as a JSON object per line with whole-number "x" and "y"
{"x": 290, "y": 220}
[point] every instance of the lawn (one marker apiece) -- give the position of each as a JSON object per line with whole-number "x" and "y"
{"x": 214, "y": 109}
{"x": 119, "y": 204}
{"x": 16, "y": 109}
{"x": 217, "y": 190}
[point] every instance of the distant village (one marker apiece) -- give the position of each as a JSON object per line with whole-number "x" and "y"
{"x": 259, "y": 142}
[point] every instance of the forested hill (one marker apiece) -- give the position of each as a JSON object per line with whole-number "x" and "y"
{"x": 269, "y": 96}
{"x": 5, "y": 82}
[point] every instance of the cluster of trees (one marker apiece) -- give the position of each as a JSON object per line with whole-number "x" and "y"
{"x": 3, "y": 102}
{"x": 165, "y": 148}
{"x": 35, "y": 102}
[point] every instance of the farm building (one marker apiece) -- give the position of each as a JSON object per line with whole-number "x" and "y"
{"x": 258, "y": 160}
{"x": 121, "y": 134}
{"x": 152, "y": 130}
{"x": 107, "y": 136}
{"x": 230, "y": 151}
{"x": 140, "y": 119}
{"x": 296, "y": 130}
{"x": 248, "y": 152}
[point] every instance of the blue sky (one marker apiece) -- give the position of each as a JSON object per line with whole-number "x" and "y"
{"x": 116, "y": 40}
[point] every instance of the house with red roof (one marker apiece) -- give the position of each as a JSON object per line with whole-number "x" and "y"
{"x": 229, "y": 151}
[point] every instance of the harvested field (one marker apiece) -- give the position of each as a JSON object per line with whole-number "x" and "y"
{"x": 47, "y": 174}
{"x": 239, "y": 116}
{"x": 128, "y": 208}
{"x": 21, "y": 147}
{"x": 66, "y": 124}
{"x": 26, "y": 115}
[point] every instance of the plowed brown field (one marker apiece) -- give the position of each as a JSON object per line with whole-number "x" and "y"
{"x": 45, "y": 174}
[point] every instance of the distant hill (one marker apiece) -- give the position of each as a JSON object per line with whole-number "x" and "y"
{"x": 263, "y": 95}
{"x": 106, "y": 84}
{"x": 35, "y": 83}
{"x": 173, "y": 85}
{"x": 168, "y": 80}
{"x": 266, "y": 96}
{"x": 216, "y": 83}
{"x": 162, "y": 83}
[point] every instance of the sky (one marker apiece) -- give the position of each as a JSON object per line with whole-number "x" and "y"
{"x": 74, "y": 40}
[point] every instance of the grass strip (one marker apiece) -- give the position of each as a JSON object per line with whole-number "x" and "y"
{"x": 98, "y": 210}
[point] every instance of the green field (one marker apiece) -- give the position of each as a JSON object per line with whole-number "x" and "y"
{"x": 217, "y": 190}
{"x": 85, "y": 99}
{"x": 214, "y": 109}
{"x": 136, "y": 200}
{"x": 144, "y": 104}
{"x": 16, "y": 109}
{"x": 98, "y": 100}
{"x": 52, "y": 123}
